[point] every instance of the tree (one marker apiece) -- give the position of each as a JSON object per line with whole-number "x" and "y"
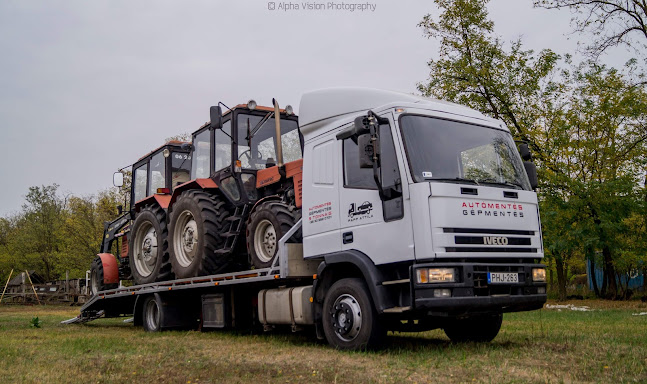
{"x": 612, "y": 22}
{"x": 37, "y": 239}
{"x": 586, "y": 125}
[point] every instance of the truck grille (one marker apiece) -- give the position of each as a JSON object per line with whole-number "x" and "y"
{"x": 490, "y": 240}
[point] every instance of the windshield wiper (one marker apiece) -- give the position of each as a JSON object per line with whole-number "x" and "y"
{"x": 455, "y": 180}
{"x": 503, "y": 183}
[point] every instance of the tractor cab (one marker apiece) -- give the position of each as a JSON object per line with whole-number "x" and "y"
{"x": 238, "y": 147}
{"x": 160, "y": 171}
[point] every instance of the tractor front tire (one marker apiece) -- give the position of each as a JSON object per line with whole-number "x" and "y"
{"x": 149, "y": 255}
{"x": 267, "y": 225}
{"x": 97, "y": 276}
{"x": 197, "y": 224}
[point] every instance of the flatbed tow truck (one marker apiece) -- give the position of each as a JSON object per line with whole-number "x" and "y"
{"x": 410, "y": 214}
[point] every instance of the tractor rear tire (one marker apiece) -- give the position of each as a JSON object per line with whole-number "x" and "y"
{"x": 196, "y": 231}
{"x": 149, "y": 255}
{"x": 96, "y": 278}
{"x": 478, "y": 329}
{"x": 267, "y": 225}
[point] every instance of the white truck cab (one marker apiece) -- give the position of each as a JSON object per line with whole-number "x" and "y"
{"x": 430, "y": 201}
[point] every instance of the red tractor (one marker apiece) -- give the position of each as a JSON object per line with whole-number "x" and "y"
{"x": 144, "y": 258}
{"x": 246, "y": 182}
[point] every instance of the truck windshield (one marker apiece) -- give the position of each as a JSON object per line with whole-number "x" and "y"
{"x": 263, "y": 143}
{"x": 451, "y": 151}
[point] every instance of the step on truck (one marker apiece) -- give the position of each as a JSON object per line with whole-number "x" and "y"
{"x": 403, "y": 214}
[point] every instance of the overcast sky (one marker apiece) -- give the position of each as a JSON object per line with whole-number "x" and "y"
{"x": 87, "y": 87}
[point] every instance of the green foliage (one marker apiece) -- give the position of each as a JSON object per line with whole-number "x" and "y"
{"x": 53, "y": 234}
{"x": 586, "y": 124}
{"x": 35, "y": 322}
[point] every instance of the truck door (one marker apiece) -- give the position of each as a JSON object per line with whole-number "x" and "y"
{"x": 364, "y": 226}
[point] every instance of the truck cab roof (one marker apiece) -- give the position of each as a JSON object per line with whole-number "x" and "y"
{"x": 320, "y": 107}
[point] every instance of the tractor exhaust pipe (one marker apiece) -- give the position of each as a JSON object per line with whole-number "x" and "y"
{"x": 277, "y": 121}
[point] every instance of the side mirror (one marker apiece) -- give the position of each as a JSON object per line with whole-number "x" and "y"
{"x": 120, "y": 209}
{"x": 531, "y": 171}
{"x": 524, "y": 151}
{"x": 365, "y": 150}
{"x": 215, "y": 114}
{"x": 118, "y": 179}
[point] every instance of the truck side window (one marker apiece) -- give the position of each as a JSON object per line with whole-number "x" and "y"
{"x": 354, "y": 176}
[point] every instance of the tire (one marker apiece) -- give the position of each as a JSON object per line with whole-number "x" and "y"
{"x": 267, "y": 225}
{"x": 149, "y": 256}
{"x": 152, "y": 314}
{"x": 196, "y": 231}
{"x": 363, "y": 329}
{"x": 96, "y": 278}
{"x": 479, "y": 329}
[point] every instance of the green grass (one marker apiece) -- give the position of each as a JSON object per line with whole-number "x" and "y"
{"x": 605, "y": 345}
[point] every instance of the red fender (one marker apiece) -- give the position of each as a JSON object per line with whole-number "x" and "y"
{"x": 110, "y": 268}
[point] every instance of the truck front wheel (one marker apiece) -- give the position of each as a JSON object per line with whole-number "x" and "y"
{"x": 480, "y": 329}
{"x": 350, "y": 320}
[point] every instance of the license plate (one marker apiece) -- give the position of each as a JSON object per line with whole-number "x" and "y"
{"x": 502, "y": 278}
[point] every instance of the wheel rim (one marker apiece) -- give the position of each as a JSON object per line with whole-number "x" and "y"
{"x": 152, "y": 315}
{"x": 265, "y": 241}
{"x": 145, "y": 252}
{"x": 185, "y": 239}
{"x": 94, "y": 282}
{"x": 346, "y": 317}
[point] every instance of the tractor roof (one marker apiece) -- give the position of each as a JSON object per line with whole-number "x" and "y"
{"x": 317, "y": 108}
{"x": 176, "y": 144}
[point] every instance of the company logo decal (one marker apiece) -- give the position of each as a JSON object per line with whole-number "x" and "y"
{"x": 320, "y": 212}
{"x": 360, "y": 211}
{"x": 492, "y": 209}
{"x": 493, "y": 240}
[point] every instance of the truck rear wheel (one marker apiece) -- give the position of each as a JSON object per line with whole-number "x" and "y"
{"x": 197, "y": 224}
{"x": 149, "y": 256}
{"x": 96, "y": 278}
{"x": 480, "y": 329}
{"x": 267, "y": 225}
{"x": 151, "y": 315}
{"x": 350, "y": 320}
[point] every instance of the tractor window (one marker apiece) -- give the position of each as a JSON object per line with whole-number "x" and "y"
{"x": 254, "y": 153}
{"x": 201, "y": 155}
{"x": 180, "y": 168}
{"x": 223, "y": 146}
{"x": 158, "y": 172}
{"x": 354, "y": 176}
{"x": 141, "y": 175}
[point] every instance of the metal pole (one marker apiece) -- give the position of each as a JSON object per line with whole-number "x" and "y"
{"x": 6, "y": 285}
{"x": 32, "y": 287}
{"x": 277, "y": 121}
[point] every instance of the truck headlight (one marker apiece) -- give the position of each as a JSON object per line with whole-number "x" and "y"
{"x": 539, "y": 275}
{"x": 436, "y": 275}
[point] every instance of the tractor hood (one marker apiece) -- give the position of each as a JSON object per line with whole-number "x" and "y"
{"x": 476, "y": 221}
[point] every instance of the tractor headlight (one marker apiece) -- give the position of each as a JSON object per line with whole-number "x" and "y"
{"x": 436, "y": 275}
{"x": 539, "y": 275}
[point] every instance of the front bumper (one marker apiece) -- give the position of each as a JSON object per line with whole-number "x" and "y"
{"x": 472, "y": 292}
